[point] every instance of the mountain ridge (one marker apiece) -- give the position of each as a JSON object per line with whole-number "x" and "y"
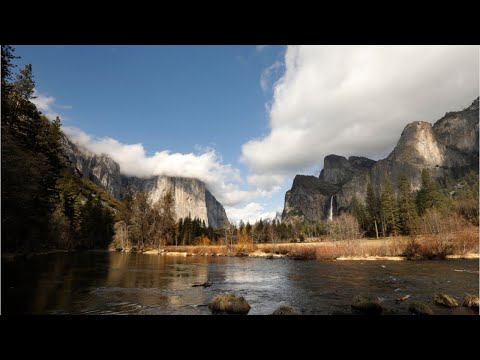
{"x": 448, "y": 147}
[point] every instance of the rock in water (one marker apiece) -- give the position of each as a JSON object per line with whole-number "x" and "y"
{"x": 285, "y": 310}
{"x": 367, "y": 304}
{"x": 229, "y": 303}
{"x": 444, "y": 300}
{"x": 418, "y": 308}
{"x": 471, "y": 301}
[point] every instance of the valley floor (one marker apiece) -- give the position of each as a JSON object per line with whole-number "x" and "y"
{"x": 457, "y": 246}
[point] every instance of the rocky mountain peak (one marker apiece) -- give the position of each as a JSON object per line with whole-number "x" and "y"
{"x": 418, "y": 144}
{"x": 474, "y": 106}
{"x": 449, "y": 147}
{"x": 191, "y": 198}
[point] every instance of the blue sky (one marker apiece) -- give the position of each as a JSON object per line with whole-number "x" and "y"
{"x": 246, "y": 119}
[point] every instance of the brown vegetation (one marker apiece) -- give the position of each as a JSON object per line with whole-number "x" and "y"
{"x": 461, "y": 243}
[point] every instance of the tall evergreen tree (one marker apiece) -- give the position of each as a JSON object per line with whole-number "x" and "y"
{"x": 428, "y": 196}
{"x": 24, "y": 84}
{"x": 388, "y": 208}
{"x": 372, "y": 209}
{"x": 358, "y": 211}
{"x": 408, "y": 217}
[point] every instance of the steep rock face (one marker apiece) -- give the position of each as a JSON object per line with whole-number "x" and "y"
{"x": 189, "y": 194}
{"x": 217, "y": 217}
{"x": 458, "y": 132}
{"x": 101, "y": 169}
{"x": 449, "y": 147}
{"x": 308, "y": 199}
{"x": 191, "y": 198}
{"x": 417, "y": 149}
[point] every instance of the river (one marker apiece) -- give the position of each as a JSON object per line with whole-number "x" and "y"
{"x": 118, "y": 283}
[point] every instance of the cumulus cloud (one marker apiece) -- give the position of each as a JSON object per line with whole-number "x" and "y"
{"x": 249, "y": 213}
{"x": 268, "y": 183}
{"x": 267, "y": 75}
{"x": 45, "y": 104}
{"x": 223, "y": 180}
{"x": 355, "y": 100}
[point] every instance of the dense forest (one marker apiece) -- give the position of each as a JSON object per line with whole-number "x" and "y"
{"x": 45, "y": 204}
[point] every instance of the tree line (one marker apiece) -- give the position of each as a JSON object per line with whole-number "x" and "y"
{"x": 391, "y": 212}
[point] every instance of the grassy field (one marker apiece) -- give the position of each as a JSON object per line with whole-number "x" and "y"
{"x": 464, "y": 243}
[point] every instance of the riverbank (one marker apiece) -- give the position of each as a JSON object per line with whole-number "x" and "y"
{"x": 388, "y": 249}
{"x": 28, "y": 255}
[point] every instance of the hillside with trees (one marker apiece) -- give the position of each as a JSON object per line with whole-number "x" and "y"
{"x": 45, "y": 205}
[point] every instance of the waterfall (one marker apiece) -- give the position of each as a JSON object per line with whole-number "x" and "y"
{"x": 330, "y": 215}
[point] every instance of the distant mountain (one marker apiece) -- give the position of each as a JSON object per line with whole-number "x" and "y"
{"x": 449, "y": 147}
{"x": 190, "y": 195}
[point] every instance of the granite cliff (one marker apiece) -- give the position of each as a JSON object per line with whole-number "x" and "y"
{"x": 190, "y": 195}
{"x": 449, "y": 147}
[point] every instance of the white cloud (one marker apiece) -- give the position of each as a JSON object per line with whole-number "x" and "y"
{"x": 260, "y": 48}
{"x": 45, "y": 104}
{"x": 355, "y": 100}
{"x": 268, "y": 183}
{"x": 267, "y": 74}
{"x": 221, "y": 179}
{"x": 249, "y": 213}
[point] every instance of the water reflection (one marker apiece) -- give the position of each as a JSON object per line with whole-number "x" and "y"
{"x": 118, "y": 283}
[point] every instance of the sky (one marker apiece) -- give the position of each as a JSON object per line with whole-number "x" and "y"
{"x": 246, "y": 119}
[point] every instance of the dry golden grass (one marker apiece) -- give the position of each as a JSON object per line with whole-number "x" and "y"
{"x": 437, "y": 246}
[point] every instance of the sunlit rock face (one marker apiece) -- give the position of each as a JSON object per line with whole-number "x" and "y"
{"x": 449, "y": 147}
{"x": 191, "y": 198}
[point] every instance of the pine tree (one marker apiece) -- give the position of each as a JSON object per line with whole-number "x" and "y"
{"x": 388, "y": 207}
{"x": 372, "y": 209}
{"x": 24, "y": 84}
{"x": 428, "y": 196}
{"x": 358, "y": 211}
{"x": 408, "y": 217}
{"x": 168, "y": 228}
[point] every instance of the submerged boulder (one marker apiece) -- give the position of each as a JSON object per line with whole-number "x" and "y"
{"x": 229, "y": 303}
{"x": 367, "y": 304}
{"x": 285, "y": 310}
{"x": 418, "y": 308}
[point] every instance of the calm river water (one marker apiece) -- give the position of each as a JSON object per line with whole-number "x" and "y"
{"x": 118, "y": 283}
